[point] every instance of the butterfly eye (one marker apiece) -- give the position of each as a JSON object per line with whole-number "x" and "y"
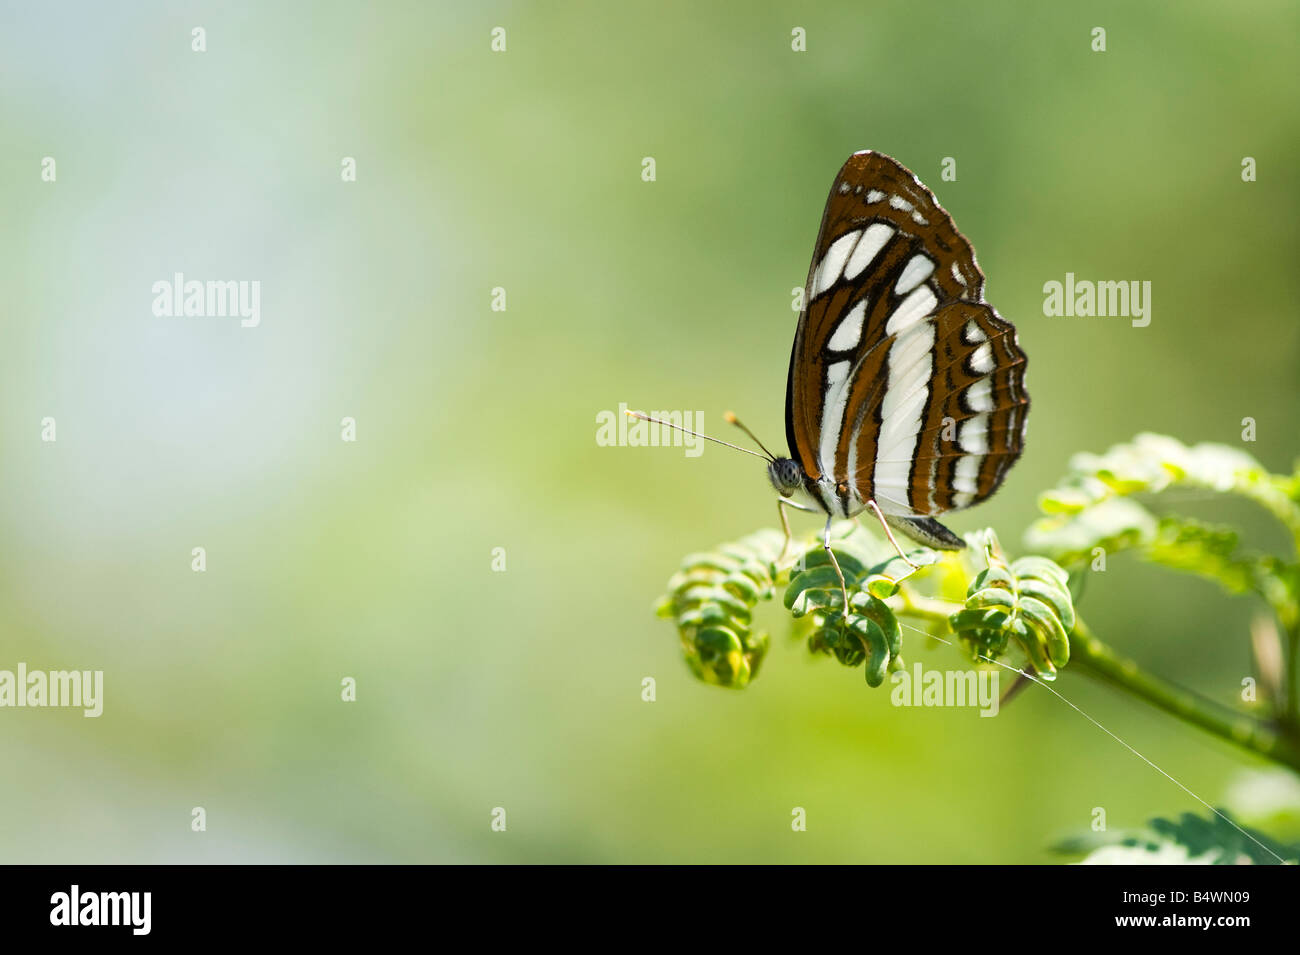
{"x": 785, "y": 476}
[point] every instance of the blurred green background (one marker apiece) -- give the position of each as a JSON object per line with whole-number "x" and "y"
{"x": 476, "y": 428}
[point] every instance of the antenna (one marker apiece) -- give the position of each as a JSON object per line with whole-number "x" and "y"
{"x": 730, "y": 417}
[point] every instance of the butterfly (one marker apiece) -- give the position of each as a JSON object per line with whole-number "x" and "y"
{"x": 906, "y": 390}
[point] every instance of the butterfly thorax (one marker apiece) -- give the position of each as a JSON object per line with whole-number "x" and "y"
{"x": 823, "y": 494}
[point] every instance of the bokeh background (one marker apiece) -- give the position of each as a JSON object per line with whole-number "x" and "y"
{"x": 476, "y": 429}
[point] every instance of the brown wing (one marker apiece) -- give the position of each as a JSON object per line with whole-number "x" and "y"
{"x": 948, "y": 437}
{"x": 873, "y": 368}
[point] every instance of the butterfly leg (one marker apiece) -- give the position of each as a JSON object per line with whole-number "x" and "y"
{"x": 826, "y": 544}
{"x": 781, "y": 504}
{"x": 890, "y": 535}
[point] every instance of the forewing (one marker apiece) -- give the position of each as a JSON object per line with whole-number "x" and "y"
{"x": 881, "y": 225}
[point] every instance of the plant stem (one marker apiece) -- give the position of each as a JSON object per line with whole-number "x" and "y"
{"x": 1244, "y": 731}
{"x": 1101, "y": 660}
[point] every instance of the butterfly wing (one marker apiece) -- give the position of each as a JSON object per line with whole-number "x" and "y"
{"x": 958, "y": 422}
{"x": 904, "y": 387}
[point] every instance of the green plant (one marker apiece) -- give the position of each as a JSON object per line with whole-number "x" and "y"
{"x": 995, "y": 607}
{"x": 1192, "y": 839}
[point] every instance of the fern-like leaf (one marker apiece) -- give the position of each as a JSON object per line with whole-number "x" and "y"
{"x": 1028, "y": 601}
{"x": 1081, "y": 514}
{"x": 870, "y": 633}
{"x": 711, "y": 599}
{"x": 1191, "y": 840}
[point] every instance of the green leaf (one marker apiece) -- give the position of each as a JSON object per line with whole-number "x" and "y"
{"x": 1027, "y": 601}
{"x": 1151, "y": 464}
{"x": 869, "y": 634}
{"x": 1191, "y": 840}
{"x": 1113, "y": 524}
{"x": 711, "y": 599}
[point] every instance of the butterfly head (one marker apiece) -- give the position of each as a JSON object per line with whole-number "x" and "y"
{"x": 786, "y": 476}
